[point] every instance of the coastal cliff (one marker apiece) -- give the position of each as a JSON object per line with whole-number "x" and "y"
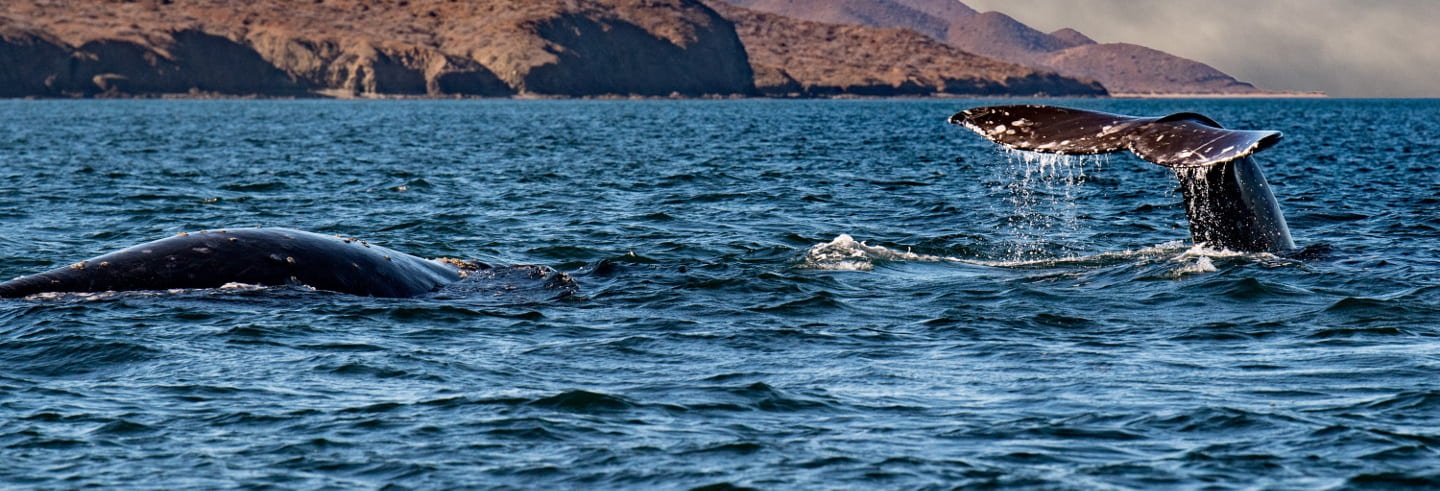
{"x": 484, "y": 48}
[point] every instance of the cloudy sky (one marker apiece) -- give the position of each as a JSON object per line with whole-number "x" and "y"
{"x": 1347, "y": 48}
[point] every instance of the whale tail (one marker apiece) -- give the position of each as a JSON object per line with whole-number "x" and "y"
{"x": 1227, "y": 199}
{"x": 1177, "y": 141}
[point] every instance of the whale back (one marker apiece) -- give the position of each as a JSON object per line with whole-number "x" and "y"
{"x": 267, "y": 257}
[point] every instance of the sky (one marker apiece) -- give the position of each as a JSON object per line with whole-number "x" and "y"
{"x": 1346, "y": 48}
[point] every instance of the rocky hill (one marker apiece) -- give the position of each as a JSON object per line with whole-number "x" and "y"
{"x": 997, "y": 35}
{"x": 498, "y": 48}
{"x": 929, "y": 17}
{"x": 1121, "y": 68}
{"x": 1136, "y": 69}
{"x": 800, "y": 58}
{"x": 365, "y": 47}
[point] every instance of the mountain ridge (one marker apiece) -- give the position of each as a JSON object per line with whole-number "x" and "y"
{"x": 1122, "y": 68}
{"x": 479, "y": 48}
{"x": 371, "y": 49}
{"x": 793, "y": 57}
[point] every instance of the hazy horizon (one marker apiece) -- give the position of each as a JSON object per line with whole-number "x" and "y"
{"x": 1346, "y": 48}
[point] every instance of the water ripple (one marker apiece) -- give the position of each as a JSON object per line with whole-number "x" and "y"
{"x": 727, "y": 295}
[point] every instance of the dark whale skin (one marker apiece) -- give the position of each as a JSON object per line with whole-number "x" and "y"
{"x": 1229, "y": 203}
{"x": 255, "y": 256}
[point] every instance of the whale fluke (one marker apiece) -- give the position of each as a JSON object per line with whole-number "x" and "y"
{"x": 1177, "y": 140}
{"x": 1228, "y": 201}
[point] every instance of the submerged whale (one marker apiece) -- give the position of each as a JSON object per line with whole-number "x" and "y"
{"x": 1228, "y": 202}
{"x": 259, "y": 256}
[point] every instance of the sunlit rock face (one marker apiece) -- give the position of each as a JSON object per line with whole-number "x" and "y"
{"x": 356, "y": 48}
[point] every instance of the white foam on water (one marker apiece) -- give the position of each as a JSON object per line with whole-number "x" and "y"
{"x": 1199, "y": 259}
{"x": 847, "y": 254}
{"x": 844, "y": 253}
{"x": 1152, "y": 252}
{"x": 108, "y": 295}
{"x": 72, "y": 296}
{"x": 1200, "y": 264}
{"x": 1201, "y": 250}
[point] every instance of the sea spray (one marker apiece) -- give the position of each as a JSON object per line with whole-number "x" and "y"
{"x": 847, "y": 254}
{"x": 1035, "y": 194}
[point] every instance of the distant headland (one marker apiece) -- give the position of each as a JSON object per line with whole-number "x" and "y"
{"x": 565, "y": 48}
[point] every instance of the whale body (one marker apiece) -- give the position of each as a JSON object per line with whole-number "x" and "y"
{"x": 1227, "y": 199}
{"x": 259, "y": 256}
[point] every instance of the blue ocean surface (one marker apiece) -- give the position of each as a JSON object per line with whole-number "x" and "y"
{"x": 771, "y": 294}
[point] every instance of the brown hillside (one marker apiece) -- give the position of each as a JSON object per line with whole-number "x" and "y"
{"x": 1135, "y": 69}
{"x": 875, "y": 13}
{"x": 359, "y": 47}
{"x": 1070, "y": 38}
{"x": 370, "y": 48}
{"x": 1121, "y": 68}
{"x": 999, "y": 36}
{"x": 802, "y": 58}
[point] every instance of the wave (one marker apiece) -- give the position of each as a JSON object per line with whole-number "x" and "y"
{"x": 847, "y": 254}
{"x": 844, "y": 253}
{"x": 500, "y": 285}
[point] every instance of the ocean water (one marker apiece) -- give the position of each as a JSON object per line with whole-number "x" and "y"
{"x": 771, "y": 295}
